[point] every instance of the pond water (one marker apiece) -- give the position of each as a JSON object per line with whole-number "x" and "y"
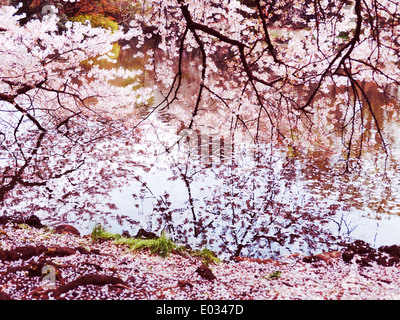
{"x": 213, "y": 187}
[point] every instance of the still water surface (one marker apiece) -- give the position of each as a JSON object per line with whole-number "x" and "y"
{"x": 208, "y": 187}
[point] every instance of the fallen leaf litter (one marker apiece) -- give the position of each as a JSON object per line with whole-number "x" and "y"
{"x": 87, "y": 270}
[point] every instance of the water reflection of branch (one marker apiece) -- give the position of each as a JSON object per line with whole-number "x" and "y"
{"x": 186, "y": 179}
{"x": 174, "y": 88}
{"x": 342, "y": 221}
{"x": 238, "y": 117}
{"x": 378, "y": 127}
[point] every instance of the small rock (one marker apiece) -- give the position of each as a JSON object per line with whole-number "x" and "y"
{"x": 347, "y": 256}
{"x": 66, "y": 228}
{"x": 206, "y": 273}
{"x": 126, "y": 234}
{"x": 34, "y": 221}
{"x": 4, "y": 220}
{"x": 143, "y": 234}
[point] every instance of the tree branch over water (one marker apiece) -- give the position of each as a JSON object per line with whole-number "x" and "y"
{"x": 295, "y": 80}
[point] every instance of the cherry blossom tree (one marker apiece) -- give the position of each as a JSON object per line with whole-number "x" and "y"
{"x": 55, "y": 111}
